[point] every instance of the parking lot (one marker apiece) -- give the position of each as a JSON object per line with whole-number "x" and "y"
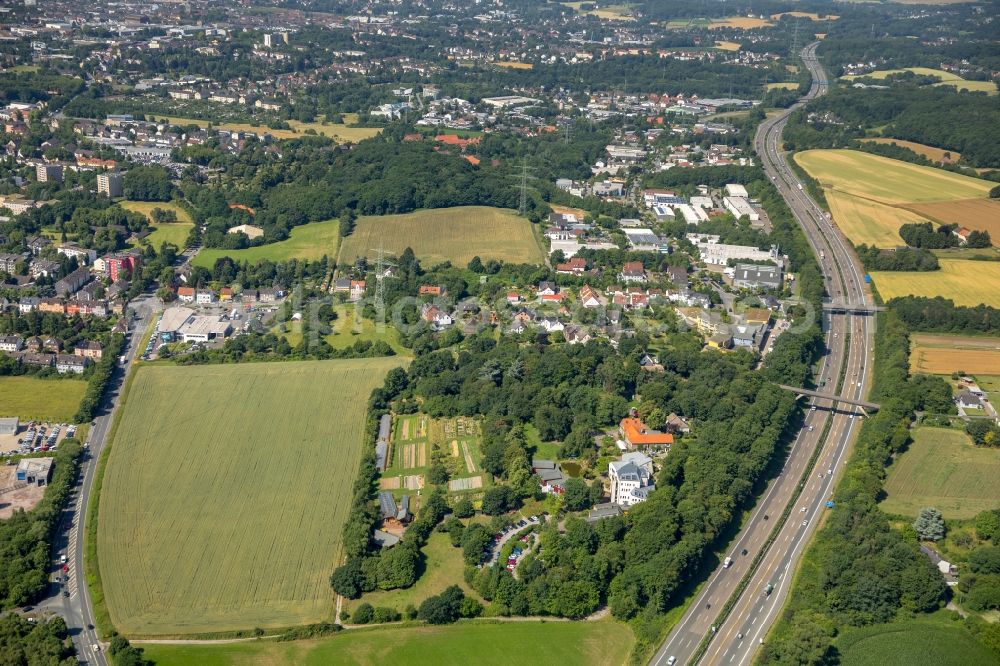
{"x": 35, "y": 437}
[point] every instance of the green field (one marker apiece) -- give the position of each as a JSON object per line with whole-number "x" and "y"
{"x": 173, "y": 232}
{"x": 444, "y": 565}
{"x": 447, "y": 234}
{"x": 338, "y": 131}
{"x": 345, "y": 331}
{"x": 929, "y": 640}
{"x": 943, "y": 469}
{"x": 30, "y": 398}
{"x": 603, "y": 643}
{"x": 309, "y": 241}
{"x": 225, "y": 493}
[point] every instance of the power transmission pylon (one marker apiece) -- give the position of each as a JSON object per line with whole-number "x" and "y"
{"x": 522, "y": 206}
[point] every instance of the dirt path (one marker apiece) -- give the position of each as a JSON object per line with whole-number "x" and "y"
{"x": 469, "y": 464}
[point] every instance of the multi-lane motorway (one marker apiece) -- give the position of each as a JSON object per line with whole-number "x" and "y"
{"x": 71, "y": 598}
{"x": 735, "y": 638}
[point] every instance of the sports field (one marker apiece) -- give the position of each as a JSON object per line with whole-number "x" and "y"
{"x": 33, "y": 399}
{"x": 339, "y": 132}
{"x": 945, "y": 354}
{"x": 604, "y": 643}
{"x": 934, "y": 639}
{"x": 226, "y": 491}
{"x": 446, "y": 234}
{"x": 308, "y": 241}
{"x": 930, "y": 152}
{"x": 965, "y": 281}
{"x": 944, "y": 469}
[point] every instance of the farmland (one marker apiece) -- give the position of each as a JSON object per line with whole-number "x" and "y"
{"x": 982, "y": 214}
{"x": 584, "y": 643}
{"x": 513, "y": 64}
{"x": 866, "y": 221}
{"x": 419, "y": 440}
{"x": 226, "y": 491}
{"x": 745, "y": 22}
{"x": 934, "y": 639}
{"x": 621, "y": 12}
{"x": 783, "y": 85}
{"x": 886, "y": 180}
{"x": 944, "y": 78}
{"x": 30, "y": 398}
{"x": 809, "y": 15}
{"x": 930, "y": 152}
{"x": 447, "y": 234}
{"x": 871, "y": 196}
{"x": 945, "y": 354}
{"x": 338, "y": 131}
{"x": 727, "y": 46}
{"x": 943, "y": 469}
{"x": 308, "y": 241}
{"x": 965, "y": 281}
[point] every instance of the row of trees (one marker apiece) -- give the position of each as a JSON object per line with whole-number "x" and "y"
{"x": 941, "y": 315}
{"x": 98, "y": 381}
{"x": 903, "y": 259}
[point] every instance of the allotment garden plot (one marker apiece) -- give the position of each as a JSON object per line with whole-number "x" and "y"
{"x": 419, "y": 441}
{"x": 226, "y": 491}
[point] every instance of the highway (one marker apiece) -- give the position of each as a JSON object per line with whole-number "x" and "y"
{"x": 848, "y": 340}
{"x": 76, "y": 607}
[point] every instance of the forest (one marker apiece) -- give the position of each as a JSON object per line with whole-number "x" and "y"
{"x": 903, "y": 259}
{"x": 968, "y": 123}
{"x": 941, "y": 315}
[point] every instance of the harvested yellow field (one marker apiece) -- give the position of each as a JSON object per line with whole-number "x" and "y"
{"x": 921, "y": 71}
{"x": 945, "y": 354}
{"x": 566, "y": 210}
{"x": 966, "y": 282}
{"x": 745, "y": 22}
{"x": 866, "y": 221}
{"x": 930, "y": 152}
{"x": 808, "y": 15}
{"x": 978, "y": 214}
{"x": 886, "y": 180}
{"x": 975, "y": 86}
{"x": 447, "y": 234}
{"x": 514, "y": 64}
{"x": 727, "y": 46}
{"x": 340, "y": 132}
{"x": 621, "y": 12}
{"x": 783, "y": 85}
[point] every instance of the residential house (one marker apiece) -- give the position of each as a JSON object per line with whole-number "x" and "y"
{"x": 969, "y": 400}
{"x": 11, "y": 343}
{"x": 632, "y": 271}
{"x": 550, "y": 324}
{"x": 89, "y": 349}
{"x": 676, "y": 424}
{"x": 575, "y": 266}
{"x": 72, "y": 283}
{"x": 204, "y": 297}
{"x": 357, "y": 291}
{"x": 747, "y": 335}
{"x": 8, "y": 262}
{"x": 436, "y": 317}
{"x": 577, "y": 335}
{"x": 70, "y": 363}
{"x": 43, "y": 268}
{"x": 53, "y": 305}
{"x": 186, "y": 294}
{"x": 636, "y": 434}
{"x": 550, "y": 476}
{"x": 589, "y": 297}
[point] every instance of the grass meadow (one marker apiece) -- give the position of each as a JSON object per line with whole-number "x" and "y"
{"x": 447, "y": 234}
{"x": 944, "y": 469}
{"x": 965, "y": 281}
{"x": 31, "y": 398}
{"x": 603, "y": 643}
{"x": 308, "y": 241}
{"x": 934, "y": 639}
{"x": 226, "y": 491}
{"x": 172, "y": 232}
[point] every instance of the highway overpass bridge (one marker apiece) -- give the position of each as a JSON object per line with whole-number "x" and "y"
{"x": 863, "y": 404}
